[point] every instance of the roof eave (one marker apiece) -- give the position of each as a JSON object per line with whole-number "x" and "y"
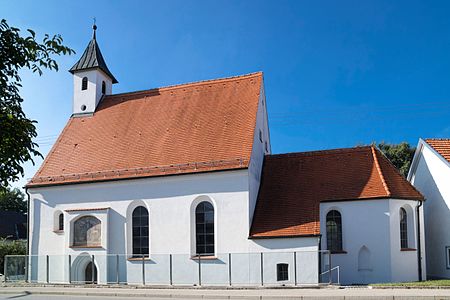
{"x": 107, "y": 72}
{"x": 260, "y": 237}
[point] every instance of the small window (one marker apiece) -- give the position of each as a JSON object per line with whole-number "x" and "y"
{"x": 61, "y": 222}
{"x": 282, "y": 272}
{"x": 260, "y": 136}
{"x": 84, "y": 84}
{"x": 103, "y": 87}
{"x": 403, "y": 229}
{"x": 267, "y": 147}
{"x": 447, "y": 255}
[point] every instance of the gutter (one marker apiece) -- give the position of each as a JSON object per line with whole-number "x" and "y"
{"x": 28, "y": 231}
{"x": 419, "y": 246}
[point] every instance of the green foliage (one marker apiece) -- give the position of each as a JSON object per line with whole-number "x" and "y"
{"x": 12, "y": 200}
{"x": 11, "y": 248}
{"x": 16, "y": 130}
{"x": 400, "y": 155}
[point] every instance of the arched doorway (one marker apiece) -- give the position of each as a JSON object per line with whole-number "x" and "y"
{"x": 90, "y": 273}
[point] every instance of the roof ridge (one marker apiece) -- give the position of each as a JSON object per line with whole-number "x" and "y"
{"x": 380, "y": 173}
{"x": 437, "y": 139}
{"x": 193, "y": 83}
{"x": 320, "y": 152}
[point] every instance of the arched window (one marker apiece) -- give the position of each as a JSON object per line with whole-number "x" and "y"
{"x": 84, "y": 83}
{"x": 87, "y": 232}
{"x": 334, "y": 231}
{"x": 140, "y": 231}
{"x": 403, "y": 229}
{"x": 61, "y": 222}
{"x": 103, "y": 87}
{"x": 204, "y": 228}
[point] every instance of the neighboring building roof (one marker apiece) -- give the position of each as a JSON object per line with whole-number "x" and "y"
{"x": 188, "y": 128}
{"x": 294, "y": 184}
{"x": 92, "y": 58}
{"x": 13, "y": 225}
{"x": 441, "y": 146}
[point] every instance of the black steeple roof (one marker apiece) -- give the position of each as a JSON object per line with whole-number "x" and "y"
{"x": 92, "y": 58}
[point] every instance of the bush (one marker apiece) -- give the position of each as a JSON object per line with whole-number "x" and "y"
{"x": 8, "y": 247}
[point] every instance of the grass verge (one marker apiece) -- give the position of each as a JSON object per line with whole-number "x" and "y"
{"x": 427, "y": 283}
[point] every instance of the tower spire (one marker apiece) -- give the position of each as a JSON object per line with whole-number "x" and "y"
{"x": 92, "y": 58}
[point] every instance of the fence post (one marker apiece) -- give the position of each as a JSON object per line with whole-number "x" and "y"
{"x": 92, "y": 269}
{"x": 229, "y": 269}
{"x": 199, "y": 270}
{"x": 339, "y": 275}
{"x": 70, "y": 268}
{"x": 26, "y": 268}
{"x": 117, "y": 269}
{"x": 295, "y": 268}
{"x": 47, "y": 268}
{"x": 262, "y": 269}
{"x": 329, "y": 267}
{"x": 143, "y": 269}
{"x": 5, "y": 268}
{"x": 170, "y": 269}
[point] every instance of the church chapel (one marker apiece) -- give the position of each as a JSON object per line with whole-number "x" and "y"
{"x": 177, "y": 185}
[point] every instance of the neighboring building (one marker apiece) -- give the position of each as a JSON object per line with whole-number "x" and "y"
{"x": 149, "y": 181}
{"x": 430, "y": 174}
{"x": 13, "y": 225}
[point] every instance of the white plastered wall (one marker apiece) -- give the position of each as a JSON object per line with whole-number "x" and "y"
{"x": 371, "y": 243}
{"x": 93, "y": 94}
{"x": 170, "y": 201}
{"x": 258, "y": 151}
{"x": 405, "y": 263}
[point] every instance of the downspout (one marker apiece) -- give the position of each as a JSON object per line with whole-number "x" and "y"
{"x": 419, "y": 247}
{"x": 28, "y": 232}
{"x": 320, "y": 256}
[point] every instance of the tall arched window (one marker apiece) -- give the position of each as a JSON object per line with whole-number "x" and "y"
{"x": 84, "y": 84}
{"x": 87, "y": 232}
{"x": 403, "y": 229}
{"x": 334, "y": 231}
{"x": 61, "y": 222}
{"x": 204, "y": 228}
{"x": 140, "y": 231}
{"x": 103, "y": 87}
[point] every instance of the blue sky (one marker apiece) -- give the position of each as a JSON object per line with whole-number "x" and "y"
{"x": 337, "y": 73}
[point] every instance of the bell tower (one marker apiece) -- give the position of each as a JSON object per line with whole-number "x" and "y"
{"x": 92, "y": 79}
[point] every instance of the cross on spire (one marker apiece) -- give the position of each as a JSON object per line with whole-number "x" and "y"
{"x": 94, "y": 27}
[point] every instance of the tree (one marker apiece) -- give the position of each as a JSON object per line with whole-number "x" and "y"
{"x": 400, "y": 155}
{"x": 12, "y": 200}
{"x": 19, "y": 52}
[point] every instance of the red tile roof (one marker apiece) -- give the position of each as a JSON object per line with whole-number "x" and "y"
{"x": 442, "y": 146}
{"x": 294, "y": 184}
{"x": 188, "y": 128}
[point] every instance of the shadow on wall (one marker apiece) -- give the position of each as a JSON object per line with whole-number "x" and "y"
{"x": 117, "y": 241}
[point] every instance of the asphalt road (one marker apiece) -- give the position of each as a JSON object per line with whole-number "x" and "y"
{"x": 55, "y": 297}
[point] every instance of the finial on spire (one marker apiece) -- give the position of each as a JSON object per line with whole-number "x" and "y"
{"x": 94, "y": 27}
